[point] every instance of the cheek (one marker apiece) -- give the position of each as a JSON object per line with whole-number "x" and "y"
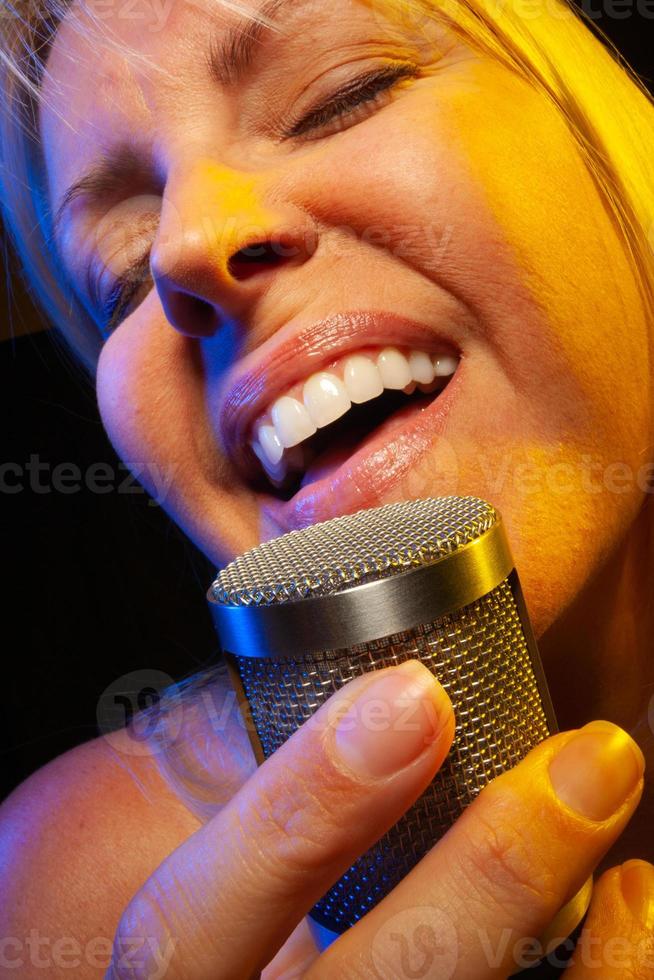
{"x": 551, "y": 216}
{"x": 151, "y": 396}
{"x": 562, "y": 368}
{"x": 128, "y": 389}
{"x": 482, "y": 190}
{"x": 150, "y": 400}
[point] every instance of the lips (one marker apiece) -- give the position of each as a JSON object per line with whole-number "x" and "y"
{"x": 402, "y": 456}
{"x": 328, "y": 413}
{"x": 363, "y": 465}
{"x": 316, "y": 379}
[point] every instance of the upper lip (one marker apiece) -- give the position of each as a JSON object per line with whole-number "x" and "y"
{"x": 297, "y": 351}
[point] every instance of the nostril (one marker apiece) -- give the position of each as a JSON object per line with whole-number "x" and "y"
{"x": 260, "y": 257}
{"x": 203, "y": 313}
{"x": 192, "y": 315}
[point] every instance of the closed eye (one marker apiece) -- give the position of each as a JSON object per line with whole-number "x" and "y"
{"x": 124, "y": 290}
{"x": 359, "y": 92}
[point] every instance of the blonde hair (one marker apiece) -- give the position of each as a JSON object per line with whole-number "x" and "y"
{"x": 557, "y": 48}
{"x": 550, "y": 43}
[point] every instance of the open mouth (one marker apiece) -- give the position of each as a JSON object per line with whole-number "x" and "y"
{"x": 308, "y": 432}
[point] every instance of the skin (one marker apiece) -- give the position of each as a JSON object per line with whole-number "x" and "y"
{"x": 548, "y": 315}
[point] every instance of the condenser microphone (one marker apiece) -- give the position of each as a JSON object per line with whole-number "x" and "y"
{"x": 434, "y": 580}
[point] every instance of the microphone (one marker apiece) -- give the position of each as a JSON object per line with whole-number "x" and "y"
{"x": 432, "y": 579}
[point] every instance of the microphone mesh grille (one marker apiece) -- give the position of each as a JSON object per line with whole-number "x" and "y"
{"x": 326, "y": 558}
{"x": 481, "y": 654}
{"x": 481, "y": 657}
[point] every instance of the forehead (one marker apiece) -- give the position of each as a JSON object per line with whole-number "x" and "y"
{"x": 129, "y": 68}
{"x": 116, "y": 65}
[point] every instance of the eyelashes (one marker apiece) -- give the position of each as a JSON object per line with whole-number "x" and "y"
{"x": 124, "y": 290}
{"x": 350, "y": 104}
{"x": 355, "y": 94}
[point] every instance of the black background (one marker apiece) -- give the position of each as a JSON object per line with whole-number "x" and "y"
{"x": 100, "y": 585}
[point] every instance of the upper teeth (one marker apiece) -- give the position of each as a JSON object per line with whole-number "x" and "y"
{"x": 327, "y": 395}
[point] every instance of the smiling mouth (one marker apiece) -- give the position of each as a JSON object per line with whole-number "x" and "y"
{"x": 316, "y": 425}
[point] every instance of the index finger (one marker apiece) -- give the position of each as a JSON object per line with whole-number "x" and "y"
{"x": 231, "y": 894}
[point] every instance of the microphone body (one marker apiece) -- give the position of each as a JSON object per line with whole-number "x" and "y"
{"x": 433, "y": 579}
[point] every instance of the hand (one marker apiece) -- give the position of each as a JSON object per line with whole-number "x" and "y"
{"x": 225, "y": 903}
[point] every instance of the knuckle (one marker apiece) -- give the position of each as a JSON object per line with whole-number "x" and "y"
{"x": 150, "y": 928}
{"x": 294, "y": 823}
{"x": 501, "y": 861}
{"x": 139, "y": 922}
{"x": 302, "y": 822}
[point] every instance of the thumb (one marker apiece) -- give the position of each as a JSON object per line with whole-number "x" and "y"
{"x": 617, "y": 940}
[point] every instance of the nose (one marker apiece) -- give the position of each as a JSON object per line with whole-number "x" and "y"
{"x": 221, "y": 243}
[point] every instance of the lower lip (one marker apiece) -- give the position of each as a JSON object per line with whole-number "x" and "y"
{"x": 366, "y": 477}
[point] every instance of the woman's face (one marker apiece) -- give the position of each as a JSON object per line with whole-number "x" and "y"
{"x": 447, "y": 214}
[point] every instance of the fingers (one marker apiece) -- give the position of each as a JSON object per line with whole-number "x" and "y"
{"x": 230, "y": 895}
{"x": 617, "y": 941}
{"x": 295, "y": 956}
{"x": 515, "y": 856}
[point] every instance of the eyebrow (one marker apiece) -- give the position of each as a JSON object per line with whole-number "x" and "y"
{"x": 231, "y": 56}
{"x": 111, "y": 171}
{"x": 228, "y": 59}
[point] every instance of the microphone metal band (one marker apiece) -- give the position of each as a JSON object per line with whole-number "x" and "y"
{"x": 369, "y": 611}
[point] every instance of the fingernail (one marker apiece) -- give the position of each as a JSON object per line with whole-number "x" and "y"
{"x": 637, "y": 879}
{"x": 392, "y": 721}
{"x": 597, "y": 770}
